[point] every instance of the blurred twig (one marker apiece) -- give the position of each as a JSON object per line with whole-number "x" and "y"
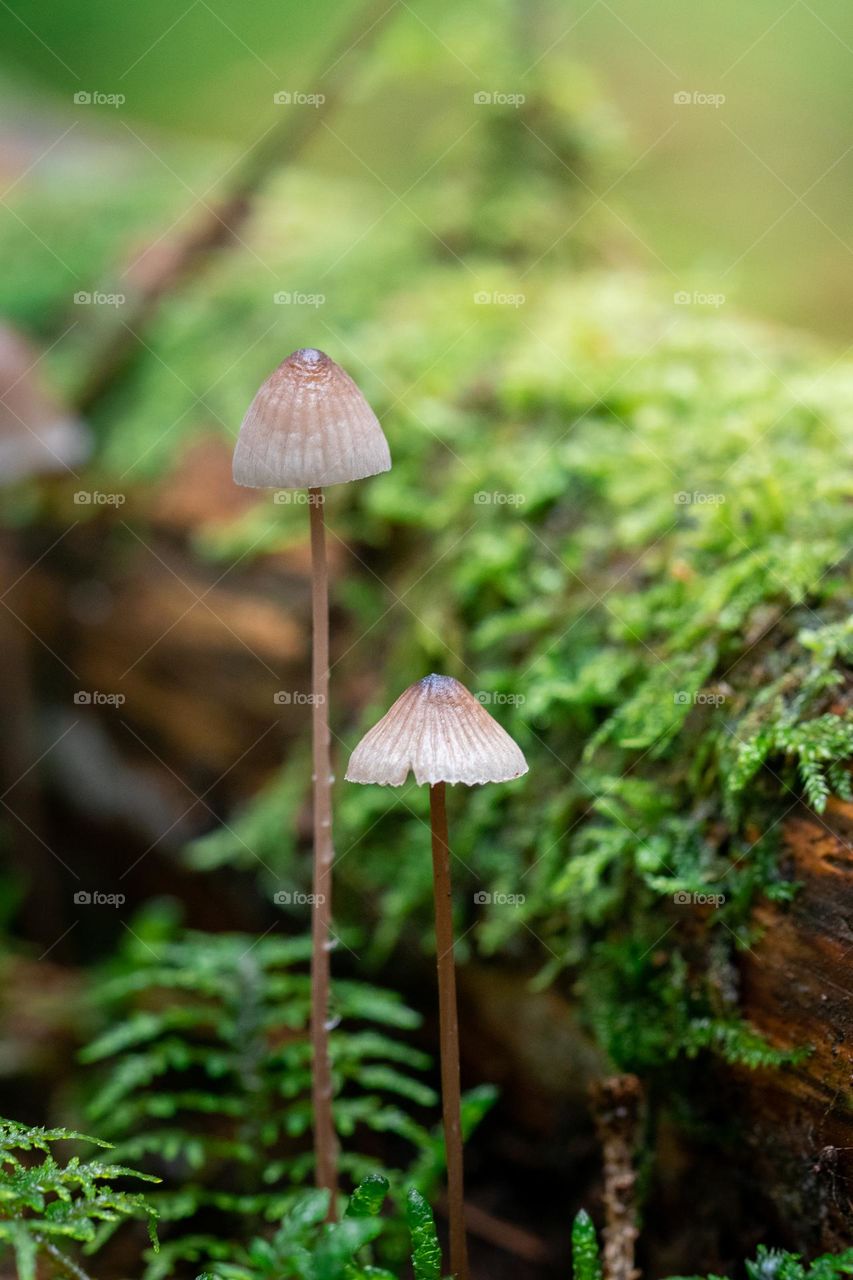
{"x": 616, "y": 1102}
{"x": 221, "y": 222}
{"x": 504, "y": 1235}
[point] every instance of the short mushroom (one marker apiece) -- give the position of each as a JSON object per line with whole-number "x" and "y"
{"x": 309, "y": 426}
{"x": 442, "y": 733}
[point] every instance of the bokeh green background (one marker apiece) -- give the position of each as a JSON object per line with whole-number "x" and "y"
{"x": 750, "y": 198}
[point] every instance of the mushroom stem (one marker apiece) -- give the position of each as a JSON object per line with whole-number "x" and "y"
{"x": 325, "y": 1143}
{"x": 449, "y": 1031}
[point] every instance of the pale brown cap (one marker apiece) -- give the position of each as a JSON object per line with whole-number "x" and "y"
{"x": 443, "y": 734}
{"x": 307, "y": 427}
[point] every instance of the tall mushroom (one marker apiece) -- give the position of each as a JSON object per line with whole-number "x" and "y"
{"x": 309, "y": 426}
{"x": 443, "y": 734}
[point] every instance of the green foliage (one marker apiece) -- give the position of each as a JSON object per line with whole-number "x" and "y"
{"x": 648, "y": 571}
{"x": 776, "y": 1264}
{"x": 426, "y": 1254}
{"x": 772, "y": 1264}
{"x": 45, "y": 1204}
{"x": 306, "y": 1247}
{"x": 630, "y": 519}
{"x": 586, "y": 1261}
{"x": 769, "y": 1264}
{"x": 208, "y": 1081}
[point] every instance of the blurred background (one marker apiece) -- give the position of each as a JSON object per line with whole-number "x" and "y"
{"x": 592, "y": 269}
{"x": 753, "y": 194}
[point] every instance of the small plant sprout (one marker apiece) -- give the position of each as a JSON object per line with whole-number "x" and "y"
{"x": 309, "y": 426}
{"x": 439, "y": 731}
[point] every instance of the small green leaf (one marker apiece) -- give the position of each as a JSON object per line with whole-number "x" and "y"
{"x": 367, "y": 1199}
{"x": 586, "y": 1263}
{"x": 426, "y": 1252}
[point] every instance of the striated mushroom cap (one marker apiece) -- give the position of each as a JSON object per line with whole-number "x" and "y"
{"x": 307, "y": 427}
{"x": 443, "y": 734}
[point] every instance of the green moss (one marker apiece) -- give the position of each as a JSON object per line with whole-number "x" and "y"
{"x": 624, "y": 521}
{"x": 675, "y": 670}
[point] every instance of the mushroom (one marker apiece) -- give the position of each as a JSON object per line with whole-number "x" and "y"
{"x": 443, "y": 734}
{"x": 309, "y": 426}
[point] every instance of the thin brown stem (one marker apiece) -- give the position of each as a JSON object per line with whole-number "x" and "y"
{"x": 325, "y": 1143}
{"x": 616, "y": 1103}
{"x": 449, "y": 1031}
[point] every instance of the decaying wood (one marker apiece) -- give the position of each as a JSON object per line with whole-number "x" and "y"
{"x": 797, "y": 989}
{"x": 616, "y": 1104}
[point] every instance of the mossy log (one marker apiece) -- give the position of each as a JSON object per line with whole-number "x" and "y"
{"x": 798, "y": 990}
{"x": 199, "y": 662}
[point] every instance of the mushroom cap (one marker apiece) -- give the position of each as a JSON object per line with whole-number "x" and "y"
{"x": 37, "y": 434}
{"x": 307, "y": 427}
{"x": 443, "y": 734}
